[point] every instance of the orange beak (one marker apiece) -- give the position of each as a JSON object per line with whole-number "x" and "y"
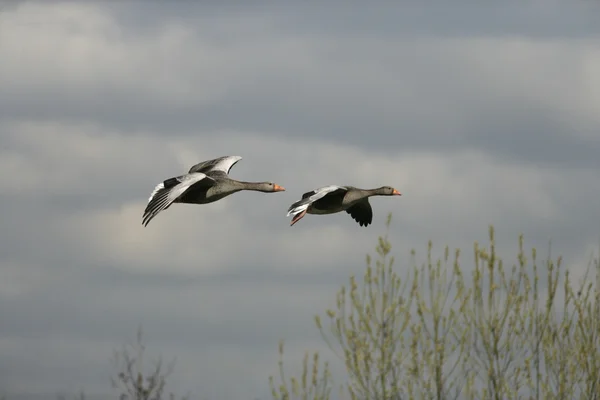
{"x": 396, "y": 193}
{"x": 277, "y": 188}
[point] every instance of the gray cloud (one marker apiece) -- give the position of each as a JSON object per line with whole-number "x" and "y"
{"x": 476, "y": 119}
{"x": 386, "y": 98}
{"x": 459, "y": 18}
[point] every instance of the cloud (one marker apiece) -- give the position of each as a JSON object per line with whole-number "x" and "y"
{"x": 475, "y": 124}
{"x": 257, "y": 78}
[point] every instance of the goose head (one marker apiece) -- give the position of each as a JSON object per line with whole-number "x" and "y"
{"x": 270, "y": 187}
{"x": 388, "y": 191}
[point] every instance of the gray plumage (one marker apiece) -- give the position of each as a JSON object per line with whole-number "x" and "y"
{"x": 206, "y": 182}
{"x": 216, "y": 165}
{"x": 333, "y": 199}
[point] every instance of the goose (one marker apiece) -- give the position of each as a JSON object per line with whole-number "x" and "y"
{"x": 333, "y": 199}
{"x": 205, "y": 182}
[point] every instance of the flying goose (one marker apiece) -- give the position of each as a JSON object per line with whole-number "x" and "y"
{"x": 333, "y": 199}
{"x": 205, "y": 182}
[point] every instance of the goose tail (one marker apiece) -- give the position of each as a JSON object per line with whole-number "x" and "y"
{"x": 298, "y": 207}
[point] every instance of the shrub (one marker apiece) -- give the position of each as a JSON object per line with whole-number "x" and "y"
{"x": 131, "y": 382}
{"x": 446, "y": 332}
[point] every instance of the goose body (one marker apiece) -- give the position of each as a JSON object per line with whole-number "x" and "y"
{"x": 333, "y": 199}
{"x": 205, "y": 182}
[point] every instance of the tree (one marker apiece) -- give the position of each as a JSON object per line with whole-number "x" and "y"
{"x": 442, "y": 331}
{"x": 130, "y": 380}
{"x": 317, "y": 388}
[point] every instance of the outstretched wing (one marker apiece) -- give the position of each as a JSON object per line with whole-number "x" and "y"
{"x": 361, "y": 212}
{"x": 221, "y": 164}
{"x": 165, "y": 193}
{"x": 308, "y": 194}
{"x": 310, "y": 197}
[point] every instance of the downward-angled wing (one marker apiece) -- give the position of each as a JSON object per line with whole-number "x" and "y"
{"x": 310, "y": 197}
{"x": 221, "y": 164}
{"x": 361, "y": 212}
{"x": 165, "y": 193}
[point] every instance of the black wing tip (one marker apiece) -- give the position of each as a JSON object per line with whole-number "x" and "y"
{"x": 149, "y": 215}
{"x": 146, "y": 218}
{"x": 308, "y": 194}
{"x": 155, "y": 206}
{"x": 360, "y": 221}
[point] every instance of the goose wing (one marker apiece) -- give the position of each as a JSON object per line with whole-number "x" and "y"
{"x": 220, "y": 164}
{"x": 165, "y": 193}
{"x": 310, "y": 197}
{"x": 361, "y": 212}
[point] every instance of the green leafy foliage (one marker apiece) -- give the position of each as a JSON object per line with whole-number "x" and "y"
{"x": 311, "y": 385}
{"x": 446, "y": 330}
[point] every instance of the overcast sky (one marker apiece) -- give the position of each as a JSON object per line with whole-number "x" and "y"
{"x": 476, "y": 114}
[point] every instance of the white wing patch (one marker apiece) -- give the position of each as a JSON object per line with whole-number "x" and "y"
{"x": 226, "y": 163}
{"x": 302, "y": 205}
{"x": 222, "y": 164}
{"x": 321, "y": 192}
{"x": 156, "y": 189}
{"x": 162, "y": 198}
